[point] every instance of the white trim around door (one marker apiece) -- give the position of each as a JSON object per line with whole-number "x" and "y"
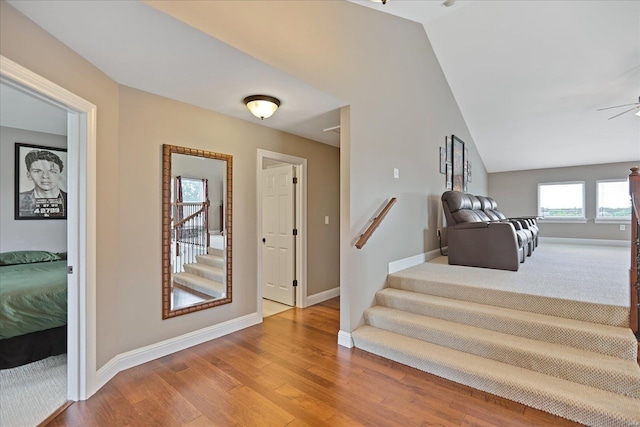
{"x": 301, "y": 222}
{"x": 81, "y": 218}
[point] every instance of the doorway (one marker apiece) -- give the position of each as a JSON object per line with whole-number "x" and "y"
{"x": 81, "y": 227}
{"x": 282, "y": 263}
{"x": 279, "y": 233}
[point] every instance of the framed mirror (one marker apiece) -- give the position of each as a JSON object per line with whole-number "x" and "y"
{"x": 196, "y": 230}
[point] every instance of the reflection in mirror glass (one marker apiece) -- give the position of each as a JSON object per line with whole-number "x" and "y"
{"x": 196, "y": 256}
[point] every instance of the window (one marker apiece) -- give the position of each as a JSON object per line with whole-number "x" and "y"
{"x": 192, "y": 190}
{"x": 561, "y": 200}
{"x": 614, "y": 202}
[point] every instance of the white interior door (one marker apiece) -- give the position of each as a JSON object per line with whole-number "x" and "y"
{"x": 278, "y": 251}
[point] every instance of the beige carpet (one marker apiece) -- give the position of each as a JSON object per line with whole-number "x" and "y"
{"x": 30, "y": 393}
{"x": 581, "y": 282}
{"x": 597, "y": 274}
{"x": 553, "y": 336}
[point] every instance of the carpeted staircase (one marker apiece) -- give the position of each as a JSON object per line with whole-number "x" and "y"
{"x": 206, "y": 275}
{"x": 579, "y": 364}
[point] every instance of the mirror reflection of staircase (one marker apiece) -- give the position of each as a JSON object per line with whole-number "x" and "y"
{"x": 205, "y": 276}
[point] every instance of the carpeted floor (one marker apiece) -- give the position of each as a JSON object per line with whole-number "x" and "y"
{"x": 553, "y": 335}
{"x": 30, "y": 393}
{"x": 596, "y": 274}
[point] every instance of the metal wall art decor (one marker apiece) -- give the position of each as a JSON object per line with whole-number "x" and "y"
{"x": 458, "y": 163}
{"x": 455, "y": 164}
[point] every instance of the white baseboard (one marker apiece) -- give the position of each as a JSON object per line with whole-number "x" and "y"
{"x": 344, "y": 339}
{"x": 322, "y": 296}
{"x": 154, "y": 351}
{"x": 594, "y": 242}
{"x": 405, "y": 263}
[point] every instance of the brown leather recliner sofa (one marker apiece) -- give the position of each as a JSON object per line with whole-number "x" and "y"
{"x": 479, "y": 235}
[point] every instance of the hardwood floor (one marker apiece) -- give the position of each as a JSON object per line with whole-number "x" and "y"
{"x": 289, "y": 371}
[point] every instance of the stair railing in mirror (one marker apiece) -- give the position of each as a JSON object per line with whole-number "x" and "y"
{"x": 196, "y": 239}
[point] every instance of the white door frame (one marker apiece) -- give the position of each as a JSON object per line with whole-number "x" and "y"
{"x": 81, "y": 212}
{"x": 301, "y": 221}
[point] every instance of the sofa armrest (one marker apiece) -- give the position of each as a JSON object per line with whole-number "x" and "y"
{"x": 485, "y": 244}
{"x": 470, "y": 225}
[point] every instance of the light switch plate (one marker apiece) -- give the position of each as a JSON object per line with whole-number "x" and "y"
{"x": 396, "y": 173}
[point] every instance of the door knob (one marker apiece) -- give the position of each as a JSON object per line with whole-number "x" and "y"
{"x": 264, "y": 240}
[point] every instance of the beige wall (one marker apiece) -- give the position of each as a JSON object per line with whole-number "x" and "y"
{"x": 146, "y": 122}
{"x": 401, "y": 109}
{"x": 517, "y": 195}
{"x": 30, "y": 46}
{"x": 128, "y": 219}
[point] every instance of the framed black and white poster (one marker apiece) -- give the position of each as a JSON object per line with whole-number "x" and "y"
{"x": 40, "y": 182}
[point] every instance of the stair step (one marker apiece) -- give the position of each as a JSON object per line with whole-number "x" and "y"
{"x": 440, "y": 286}
{"x": 592, "y": 369}
{"x": 597, "y": 338}
{"x": 205, "y": 271}
{"x": 200, "y": 284}
{"x": 211, "y": 260}
{"x": 581, "y": 403}
{"x": 215, "y": 251}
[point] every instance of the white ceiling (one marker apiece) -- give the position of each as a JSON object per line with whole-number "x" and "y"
{"x": 528, "y": 76}
{"x": 139, "y": 46}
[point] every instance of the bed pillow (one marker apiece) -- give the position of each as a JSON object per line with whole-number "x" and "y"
{"x": 27, "y": 257}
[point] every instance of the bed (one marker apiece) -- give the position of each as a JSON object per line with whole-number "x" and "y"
{"x": 33, "y": 306}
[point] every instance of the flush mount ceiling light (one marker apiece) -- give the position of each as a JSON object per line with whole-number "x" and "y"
{"x": 262, "y": 106}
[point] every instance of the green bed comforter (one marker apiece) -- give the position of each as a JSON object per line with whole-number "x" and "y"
{"x": 33, "y": 297}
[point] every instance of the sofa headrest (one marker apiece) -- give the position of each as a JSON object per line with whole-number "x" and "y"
{"x": 475, "y": 202}
{"x": 492, "y": 203}
{"x": 484, "y": 203}
{"x": 456, "y": 200}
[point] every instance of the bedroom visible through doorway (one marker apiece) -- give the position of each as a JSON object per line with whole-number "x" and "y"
{"x": 79, "y": 121}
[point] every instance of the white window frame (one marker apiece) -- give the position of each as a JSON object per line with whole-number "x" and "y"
{"x": 605, "y": 220}
{"x": 574, "y": 219}
{"x": 199, "y": 181}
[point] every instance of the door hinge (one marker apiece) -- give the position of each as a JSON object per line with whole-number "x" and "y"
{"x": 295, "y": 179}
{"x": 295, "y": 231}
{"x": 295, "y": 283}
{"x": 70, "y": 269}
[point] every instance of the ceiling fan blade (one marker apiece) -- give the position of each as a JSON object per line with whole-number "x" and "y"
{"x": 630, "y": 109}
{"x": 617, "y": 106}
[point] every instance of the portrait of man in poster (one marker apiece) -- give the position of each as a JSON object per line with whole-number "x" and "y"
{"x": 40, "y": 182}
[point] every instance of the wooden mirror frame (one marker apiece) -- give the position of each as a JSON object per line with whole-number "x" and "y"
{"x": 167, "y": 151}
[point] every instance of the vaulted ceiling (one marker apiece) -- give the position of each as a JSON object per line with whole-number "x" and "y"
{"x": 528, "y": 76}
